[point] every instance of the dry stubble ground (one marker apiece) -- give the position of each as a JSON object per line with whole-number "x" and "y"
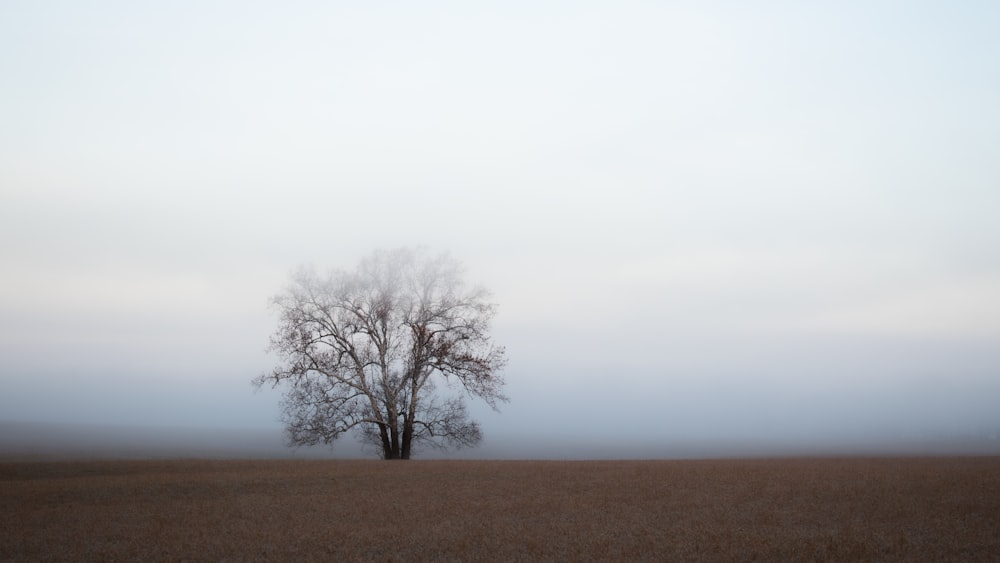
{"x": 906, "y": 509}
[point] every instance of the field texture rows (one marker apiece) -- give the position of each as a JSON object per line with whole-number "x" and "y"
{"x": 907, "y": 509}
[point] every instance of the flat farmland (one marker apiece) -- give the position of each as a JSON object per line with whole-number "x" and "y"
{"x": 817, "y": 509}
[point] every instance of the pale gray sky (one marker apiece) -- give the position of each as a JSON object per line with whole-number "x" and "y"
{"x": 721, "y": 219}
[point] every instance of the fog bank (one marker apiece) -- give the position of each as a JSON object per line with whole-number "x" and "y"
{"x": 35, "y": 441}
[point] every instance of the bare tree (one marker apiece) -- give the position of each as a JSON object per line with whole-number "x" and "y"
{"x": 368, "y": 350}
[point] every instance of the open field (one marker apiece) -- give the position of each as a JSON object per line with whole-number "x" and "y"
{"x": 848, "y": 509}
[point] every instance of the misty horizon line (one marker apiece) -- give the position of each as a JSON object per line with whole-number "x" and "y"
{"x": 21, "y": 440}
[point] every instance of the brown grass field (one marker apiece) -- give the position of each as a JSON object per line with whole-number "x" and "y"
{"x": 820, "y": 509}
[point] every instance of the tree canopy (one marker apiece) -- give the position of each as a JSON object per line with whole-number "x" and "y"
{"x": 389, "y": 351}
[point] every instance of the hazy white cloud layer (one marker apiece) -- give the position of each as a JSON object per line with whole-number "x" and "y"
{"x": 719, "y": 220}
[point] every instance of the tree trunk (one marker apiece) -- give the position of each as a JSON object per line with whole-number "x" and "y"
{"x": 393, "y": 441}
{"x": 386, "y": 444}
{"x": 407, "y": 437}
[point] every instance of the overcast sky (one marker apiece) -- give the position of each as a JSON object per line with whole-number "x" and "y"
{"x": 724, "y": 220}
